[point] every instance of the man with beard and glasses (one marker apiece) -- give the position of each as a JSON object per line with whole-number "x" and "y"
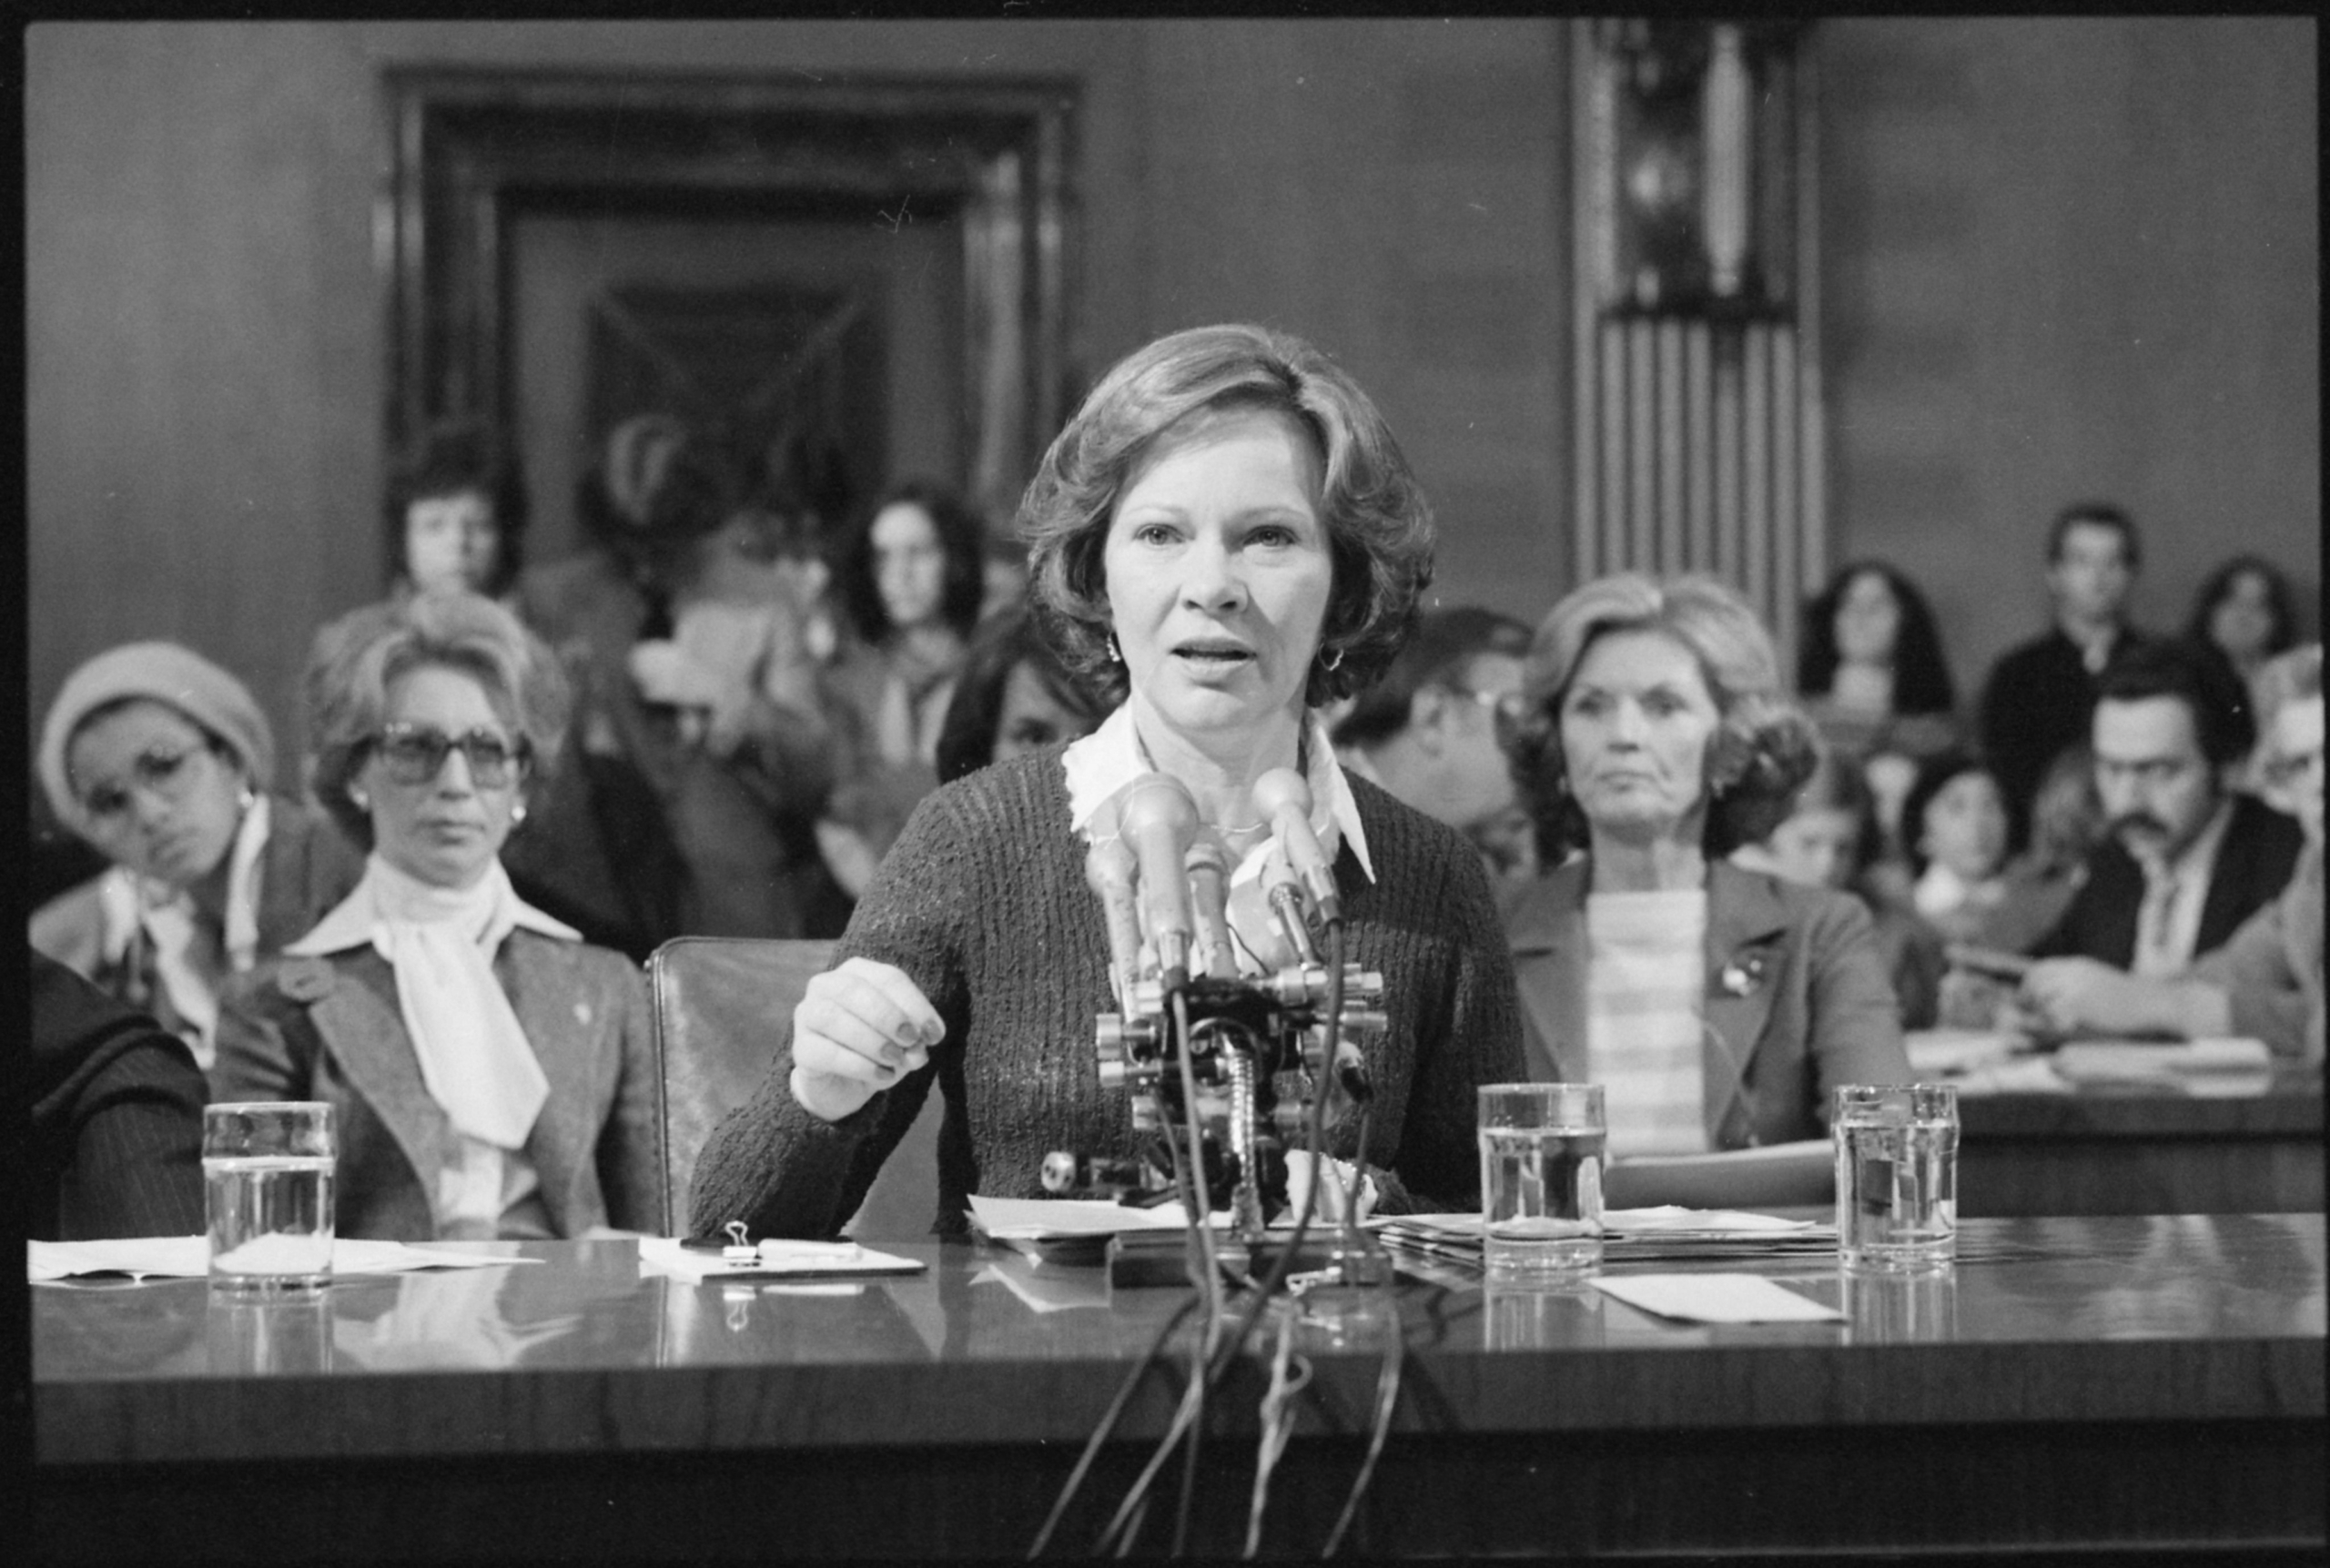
{"x": 2186, "y": 860}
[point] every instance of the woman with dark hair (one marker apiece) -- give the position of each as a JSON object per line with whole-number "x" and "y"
{"x": 163, "y": 762}
{"x": 909, "y": 579}
{"x": 1870, "y": 672}
{"x": 1015, "y": 697}
{"x": 2247, "y": 609}
{"x": 1225, "y": 538}
{"x": 492, "y": 1076}
{"x": 1719, "y": 1005}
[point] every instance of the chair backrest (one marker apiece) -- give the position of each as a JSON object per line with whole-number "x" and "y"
{"x": 720, "y": 1005}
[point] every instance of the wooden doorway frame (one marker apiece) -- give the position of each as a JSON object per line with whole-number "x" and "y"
{"x": 465, "y": 148}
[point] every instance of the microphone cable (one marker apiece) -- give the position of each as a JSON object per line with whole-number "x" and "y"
{"x": 1109, "y": 1419}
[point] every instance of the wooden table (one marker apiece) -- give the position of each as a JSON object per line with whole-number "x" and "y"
{"x": 2098, "y": 1383}
{"x": 2145, "y": 1150}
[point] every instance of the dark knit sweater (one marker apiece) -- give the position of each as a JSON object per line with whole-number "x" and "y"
{"x": 983, "y": 903}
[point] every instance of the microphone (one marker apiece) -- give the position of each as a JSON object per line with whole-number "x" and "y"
{"x": 1161, "y": 820}
{"x": 1109, "y": 871}
{"x": 1284, "y": 895}
{"x": 1208, "y": 864}
{"x": 1285, "y": 800}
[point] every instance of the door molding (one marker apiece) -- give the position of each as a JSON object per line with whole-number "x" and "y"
{"x": 465, "y": 148}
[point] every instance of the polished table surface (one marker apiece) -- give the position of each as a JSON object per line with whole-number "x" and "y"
{"x": 2214, "y": 1144}
{"x": 2070, "y": 1382}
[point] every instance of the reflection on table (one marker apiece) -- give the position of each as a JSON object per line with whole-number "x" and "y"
{"x": 595, "y": 1409}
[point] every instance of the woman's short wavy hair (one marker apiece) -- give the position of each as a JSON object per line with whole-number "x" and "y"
{"x": 1764, "y": 748}
{"x": 344, "y": 691}
{"x": 1379, "y": 525}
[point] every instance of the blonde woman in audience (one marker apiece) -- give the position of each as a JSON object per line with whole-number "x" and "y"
{"x": 162, "y": 761}
{"x": 1719, "y": 1005}
{"x": 493, "y": 1075}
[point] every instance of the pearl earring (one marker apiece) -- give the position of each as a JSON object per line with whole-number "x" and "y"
{"x": 363, "y": 802}
{"x": 517, "y": 813}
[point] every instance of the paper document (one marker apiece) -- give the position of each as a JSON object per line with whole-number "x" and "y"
{"x": 2092, "y": 1061}
{"x": 1717, "y": 1299}
{"x": 188, "y": 1258}
{"x": 772, "y": 1260}
{"x": 1051, "y": 1219}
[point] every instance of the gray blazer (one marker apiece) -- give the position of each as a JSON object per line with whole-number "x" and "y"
{"x": 1797, "y": 998}
{"x": 329, "y": 1028}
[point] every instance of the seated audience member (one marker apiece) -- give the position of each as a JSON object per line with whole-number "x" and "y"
{"x": 2245, "y": 608}
{"x": 1871, "y": 674}
{"x": 2041, "y": 694}
{"x": 493, "y": 1077}
{"x": 1427, "y": 731}
{"x": 2066, "y": 826}
{"x": 116, "y": 1106}
{"x": 1719, "y": 1006}
{"x": 1015, "y": 696}
{"x": 2187, "y": 859}
{"x": 1871, "y": 671}
{"x": 697, "y": 760}
{"x": 911, "y": 580}
{"x": 2266, "y": 981}
{"x": 1828, "y": 840}
{"x": 1954, "y": 822}
{"x": 162, "y": 760}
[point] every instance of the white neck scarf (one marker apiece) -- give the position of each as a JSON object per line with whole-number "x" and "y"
{"x": 130, "y": 905}
{"x": 475, "y": 1057}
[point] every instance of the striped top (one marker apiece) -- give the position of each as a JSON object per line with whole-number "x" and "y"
{"x": 1646, "y": 974}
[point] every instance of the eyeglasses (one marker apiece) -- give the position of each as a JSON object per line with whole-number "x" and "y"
{"x": 156, "y": 772}
{"x": 415, "y": 754}
{"x": 2289, "y": 769}
{"x": 1510, "y": 707}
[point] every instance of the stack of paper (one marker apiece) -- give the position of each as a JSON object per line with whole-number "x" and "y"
{"x": 2121, "y": 1061}
{"x": 1631, "y": 1235}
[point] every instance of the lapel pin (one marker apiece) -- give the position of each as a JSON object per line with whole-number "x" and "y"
{"x": 1743, "y": 977}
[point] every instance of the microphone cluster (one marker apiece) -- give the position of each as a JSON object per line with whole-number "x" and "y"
{"x": 1224, "y": 1070}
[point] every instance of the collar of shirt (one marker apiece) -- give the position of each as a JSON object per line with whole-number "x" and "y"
{"x": 2191, "y": 869}
{"x": 1112, "y": 756}
{"x": 354, "y": 919}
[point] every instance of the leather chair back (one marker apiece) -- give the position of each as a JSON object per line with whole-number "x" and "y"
{"x": 720, "y": 1006}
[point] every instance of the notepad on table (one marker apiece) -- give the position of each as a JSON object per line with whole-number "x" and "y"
{"x": 772, "y": 1259}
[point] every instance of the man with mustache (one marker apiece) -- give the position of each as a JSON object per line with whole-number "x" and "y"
{"x": 2187, "y": 859}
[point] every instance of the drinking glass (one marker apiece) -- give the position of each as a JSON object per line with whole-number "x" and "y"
{"x": 267, "y": 1174}
{"x": 1897, "y": 1176}
{"x": 1541, "y": 1179}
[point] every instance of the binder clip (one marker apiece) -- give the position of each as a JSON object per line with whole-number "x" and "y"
{"x": 740, "y": 1249}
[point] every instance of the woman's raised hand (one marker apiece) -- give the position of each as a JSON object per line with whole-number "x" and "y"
{"x": 860, "y": 1027}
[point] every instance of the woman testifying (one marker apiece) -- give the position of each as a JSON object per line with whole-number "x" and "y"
{"x": 494, "y": 1076}
{"x": 1717, "y": 1005}
{"x": 1223, "y": 538}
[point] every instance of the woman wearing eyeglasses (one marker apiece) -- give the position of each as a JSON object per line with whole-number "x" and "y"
{"x": 161, "y": 761}
{"x": 494, "y": 1074}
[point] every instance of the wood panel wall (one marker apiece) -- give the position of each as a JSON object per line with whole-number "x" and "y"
{"x": 2064, "y": 256}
